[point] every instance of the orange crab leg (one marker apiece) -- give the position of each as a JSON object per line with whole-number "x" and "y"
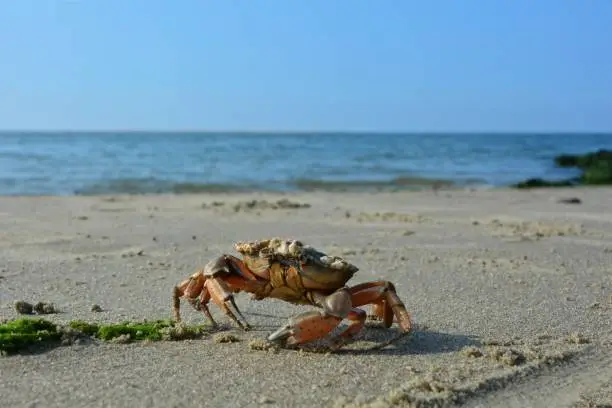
{"x": 203, "y": 305}
{"x": 218, "y": 285}
{"x": 386, "y": 303}
{"x": 221, "y": 295}
{"x": 190, "y": 289}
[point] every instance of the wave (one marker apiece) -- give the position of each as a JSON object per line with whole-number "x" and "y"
{"x": 157, "y": 186}
{"x": 397, "y": 183}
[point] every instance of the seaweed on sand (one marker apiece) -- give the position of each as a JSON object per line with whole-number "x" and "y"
{"x": 20, "y": 334}
{"x": 137, "y": 331}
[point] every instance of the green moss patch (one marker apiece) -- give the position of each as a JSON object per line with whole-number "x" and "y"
{"x": 20, "y": 334}
{"x": 137, "y": 331}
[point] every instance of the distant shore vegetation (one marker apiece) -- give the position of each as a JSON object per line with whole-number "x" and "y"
{"x": 595, "y": 169}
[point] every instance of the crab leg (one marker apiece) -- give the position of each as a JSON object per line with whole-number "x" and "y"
{"x": 222, "y": 296}
{"x": 219, "y": 279}
{"x": 386, "y": 303}
{"x": 192, "y": 288}
{"x": 202, "y": 304}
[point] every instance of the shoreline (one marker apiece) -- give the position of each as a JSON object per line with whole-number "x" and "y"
{"x": 565, "y": 191}
{"x": 333, "y": 192}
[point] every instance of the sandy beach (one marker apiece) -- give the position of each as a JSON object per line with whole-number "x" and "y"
{"x": 510, "y": 292}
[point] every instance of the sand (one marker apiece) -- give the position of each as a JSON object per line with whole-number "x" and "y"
{"x": 510, "y": 292}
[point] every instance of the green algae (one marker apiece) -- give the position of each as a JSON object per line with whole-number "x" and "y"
{"x": 138, "y": 331}
{"x": 20, "y": 334}
{"x": 89, "y": 329}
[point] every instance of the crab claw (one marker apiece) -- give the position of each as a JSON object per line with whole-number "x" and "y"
{"x": 305, "y": 327}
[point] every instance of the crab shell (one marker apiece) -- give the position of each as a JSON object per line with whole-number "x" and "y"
{"x": 317, "y": 270}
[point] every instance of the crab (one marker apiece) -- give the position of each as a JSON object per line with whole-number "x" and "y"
{"x": 291, "y": 271}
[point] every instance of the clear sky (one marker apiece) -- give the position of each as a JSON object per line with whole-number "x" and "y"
{"x": 394, "y": 65}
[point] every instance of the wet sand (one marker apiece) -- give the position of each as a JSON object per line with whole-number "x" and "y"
{"x": 510, "y": 292}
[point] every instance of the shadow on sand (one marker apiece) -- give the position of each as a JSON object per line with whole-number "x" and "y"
{"x": 420, "y": 341}
{"x": 46, "y": 346}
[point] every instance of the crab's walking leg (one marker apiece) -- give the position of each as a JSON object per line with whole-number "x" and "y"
{"x": 386, "y": 303}
{"x": 217, "y": 282}
{"x": 190, "y": 289}
{"x": 222, "y": 296}
{"x": 202, "y": 304}
{"x": 226, "y": 275}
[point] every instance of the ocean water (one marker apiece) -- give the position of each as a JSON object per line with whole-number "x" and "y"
{"x": 140, "y": 162}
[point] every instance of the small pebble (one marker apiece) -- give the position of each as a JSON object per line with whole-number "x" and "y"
{"x": 23, "y": 307}
{"x": 45, "y": 308}
{"x": 570, "y": 200}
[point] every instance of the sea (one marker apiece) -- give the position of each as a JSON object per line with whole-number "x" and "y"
{"x": 92, "y": 163}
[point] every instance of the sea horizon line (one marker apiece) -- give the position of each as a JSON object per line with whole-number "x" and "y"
{"x": 304, "y": 132}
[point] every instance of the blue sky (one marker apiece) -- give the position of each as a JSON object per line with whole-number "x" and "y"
{"x": 395, "y": 65}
